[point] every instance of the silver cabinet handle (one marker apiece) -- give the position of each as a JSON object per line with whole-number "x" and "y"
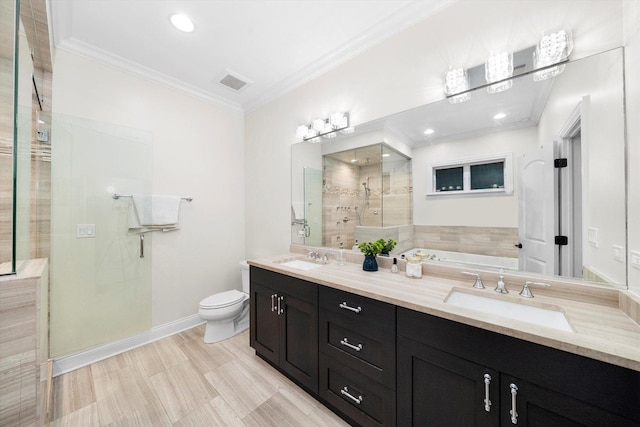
{"x": 514, "y": 393}
{"x": 273, "y": 302}
{"x": 280, "y": 309}
{"x": 346, "y": 343}
{"x": 487, "y": 401}
{"x": 348, "y": 307}
{"x": 345, "y": 392}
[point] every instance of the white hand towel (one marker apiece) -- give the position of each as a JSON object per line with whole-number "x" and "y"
{"x": 157, "y": 211}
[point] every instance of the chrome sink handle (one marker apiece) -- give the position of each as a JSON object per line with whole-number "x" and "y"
{"x": 478, "y": 284}
{"x": 501, "y": 287}
{"x": 525, "y": 292}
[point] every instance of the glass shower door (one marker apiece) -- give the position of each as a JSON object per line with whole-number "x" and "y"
{"x": 313, "y": 206}
{"x": 100, "y": 286}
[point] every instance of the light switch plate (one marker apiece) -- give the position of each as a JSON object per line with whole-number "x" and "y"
{"x": 84, "y": 231}
{"x": 635, "y": 259}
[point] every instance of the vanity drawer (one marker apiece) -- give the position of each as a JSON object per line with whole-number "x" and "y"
{"x": 365, "y": 401}
{"x": 360, "y": 346}
{"x": 364, "y": 310}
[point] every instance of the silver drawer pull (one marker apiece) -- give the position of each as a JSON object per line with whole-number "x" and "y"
{"x": 346, "y": 343}
{"x": 487, "y": 402}
{"x": 273, "y": 303}
{"x": 348, "y": 307}
{"x": 514, "y": 393}
{"x": 345, "y": 392}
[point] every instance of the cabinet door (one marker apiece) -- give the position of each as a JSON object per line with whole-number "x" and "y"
{"x": 299, "y": 341}
{"x": 538, "y": 406}
{"x": 438, "y": 389}
{"x": 264, "y": 322}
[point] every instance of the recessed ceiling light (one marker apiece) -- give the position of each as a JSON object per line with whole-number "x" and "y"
{"x": 429, "y": 131}
{"x": 182, "y": 22}
{"x": 386, "y": 155}
{"x": 500, "y": 116}
{"x": 354, "y": 161}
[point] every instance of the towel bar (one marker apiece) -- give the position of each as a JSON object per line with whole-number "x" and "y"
{"x": 117, "y": 196}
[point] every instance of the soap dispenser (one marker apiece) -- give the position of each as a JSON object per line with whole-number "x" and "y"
{"x": 355, "y": 246}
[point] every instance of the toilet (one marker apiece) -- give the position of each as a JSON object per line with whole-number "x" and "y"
{"x": 226, "y": 313}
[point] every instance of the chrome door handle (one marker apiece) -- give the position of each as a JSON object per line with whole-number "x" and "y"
{"x": 348, "y": 307}
{"x": 487, "y": 401}
{"x": 280, "y": 309}
{"x": 273, "y": 302}
{"x": 345, "y": 392}
{"x": 346, "y": 343}
{"x": 513, "y": 412}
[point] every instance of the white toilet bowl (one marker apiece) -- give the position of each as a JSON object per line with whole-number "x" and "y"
{"x": 226, "y": 313}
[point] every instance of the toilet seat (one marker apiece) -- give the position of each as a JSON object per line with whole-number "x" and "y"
{"x": 222, "y": 299}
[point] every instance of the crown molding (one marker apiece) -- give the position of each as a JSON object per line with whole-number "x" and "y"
{"x": 101, "y": 56}
{"x": 394, "y": 24}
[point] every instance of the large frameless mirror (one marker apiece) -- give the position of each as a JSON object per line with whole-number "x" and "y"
{"x": 538, "y": 214}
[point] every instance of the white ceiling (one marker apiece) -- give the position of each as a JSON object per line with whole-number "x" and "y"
{"x": 276, "y": 44}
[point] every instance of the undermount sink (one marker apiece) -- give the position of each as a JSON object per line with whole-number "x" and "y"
{"x": 546, "y": 315}
{"x": 300, "y": 264}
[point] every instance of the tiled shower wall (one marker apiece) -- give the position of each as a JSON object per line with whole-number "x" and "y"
{"x": 346, "y": 205}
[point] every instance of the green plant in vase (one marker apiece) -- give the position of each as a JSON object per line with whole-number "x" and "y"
{"x": 370, "y": 250}
{"x": 387, "y": 246}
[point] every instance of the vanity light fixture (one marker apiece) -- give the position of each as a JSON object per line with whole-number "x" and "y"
{"x": 498, "y": 68}
{"x": 182, "y": 22}
{"x": 457, "y": 81}
{"x": 552, "y": 49}
{"x": 324, "y": 128}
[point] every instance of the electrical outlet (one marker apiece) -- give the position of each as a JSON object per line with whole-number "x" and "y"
{"x": 618, "y": 253}
{"x": 635, "y": 259}
{"x": 84, "y": 231}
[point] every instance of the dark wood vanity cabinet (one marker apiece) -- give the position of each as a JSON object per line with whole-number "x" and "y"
{"x": 284, "y": 324}
{"x": 442, "y": 380}
{"x": 357, "y": 342}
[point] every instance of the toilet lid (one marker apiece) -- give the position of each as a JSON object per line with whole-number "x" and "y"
{"x": 222, "y": 299}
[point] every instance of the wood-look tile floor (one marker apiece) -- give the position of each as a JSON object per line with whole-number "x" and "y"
{"x": 180, "y": 381}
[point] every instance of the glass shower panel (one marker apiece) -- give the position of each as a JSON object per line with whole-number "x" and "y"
{"x": 313, "y": 206}
{"x": 101, "y": 287}
{"x": 8, "y": 69}
{"x": 397, "y": 188}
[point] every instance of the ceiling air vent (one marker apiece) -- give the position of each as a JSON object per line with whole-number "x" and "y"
{"x": 233, "y": 81}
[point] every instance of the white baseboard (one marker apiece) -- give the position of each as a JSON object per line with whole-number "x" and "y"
{"x": 75, "y": 361}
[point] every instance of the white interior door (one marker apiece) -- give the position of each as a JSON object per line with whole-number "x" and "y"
{"x": 537, "y": 211}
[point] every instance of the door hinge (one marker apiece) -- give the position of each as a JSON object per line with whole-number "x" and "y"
{"x": 562, "y": 240}
{"x": 560, "y": 163}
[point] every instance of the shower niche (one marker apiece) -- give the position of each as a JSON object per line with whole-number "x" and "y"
{"x": 367, "y": 186}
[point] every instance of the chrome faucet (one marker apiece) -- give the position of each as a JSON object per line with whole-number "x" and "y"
{"x": 501, "y": 287}
{"x": 525, "y": 292}
{"x": 313, "y": 255}
{"x": 478, "y": 284}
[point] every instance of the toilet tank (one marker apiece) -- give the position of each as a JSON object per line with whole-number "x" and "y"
{"x": 244, "y": 269}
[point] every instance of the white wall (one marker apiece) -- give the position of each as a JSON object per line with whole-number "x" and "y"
{"x": 632, "y": 90}
{"x": 476, "y": 211}
{"x": 401, "y": 73}
{"x": 197, "y": 151}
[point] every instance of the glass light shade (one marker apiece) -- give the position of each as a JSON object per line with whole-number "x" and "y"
{"x": 547, "y": 73}
{"x": 318, "y": 125}
{"x": 457, "y": 99}
{"x": 552, "y": 48}
{"x": 327, "y": 128}
{"x": 302, "y": 131}
{"x": 500, "y": 87}
{"x": 499, "y": 66}
{"x": 336, "y": 119}
{"x": 456, "y": 81}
